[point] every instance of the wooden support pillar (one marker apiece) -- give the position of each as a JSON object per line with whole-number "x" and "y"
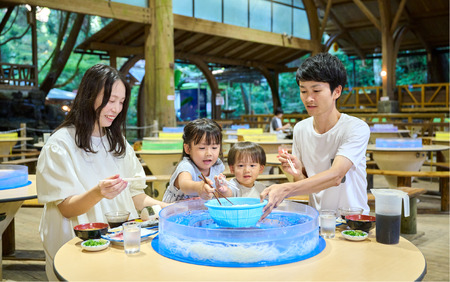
{"x": 113, "y": 59}
{"x": 272, "y": 80}
{"x": 213, "y": 85}
{"x": 409, "y": 223}
{"x": 159, "y": 65}
{"x": 34, "y": 45}
{"x": 387, "y": 50}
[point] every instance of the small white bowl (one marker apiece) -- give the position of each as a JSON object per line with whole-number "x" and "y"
{"x": 95, "y": 248}
{"x": 354, "y": 238}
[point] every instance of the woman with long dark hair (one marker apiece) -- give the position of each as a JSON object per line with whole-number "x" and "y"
{"x": 80, "y": 168}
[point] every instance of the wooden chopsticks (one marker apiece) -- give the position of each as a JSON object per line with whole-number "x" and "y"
{"x": 202, "y": 177}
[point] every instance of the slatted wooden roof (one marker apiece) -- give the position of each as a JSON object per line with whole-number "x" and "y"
{"x": 212, "y": 42}
{"x": 424, "y": 24}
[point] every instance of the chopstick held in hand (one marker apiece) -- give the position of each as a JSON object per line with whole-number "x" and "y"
{"x": 291, "y": 164}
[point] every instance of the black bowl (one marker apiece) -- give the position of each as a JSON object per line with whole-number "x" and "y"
{"x": 361, "y": 222}
{"x": 91, "y": 230}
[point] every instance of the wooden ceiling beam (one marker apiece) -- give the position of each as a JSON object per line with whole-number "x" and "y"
{"x": 231, "y": 51}
{"x": 119, "y": 50}
{"x": 245, "y": 48}
{"x": 294, "y": 56}
{"x": 188, "y": 41}
{"x": 252, "y": 49}
{"x": 417, "y": 33}
{"x": 353, "y": 26}
{"x": 229, "y": 48}
{"x": 197, "y": 43}
{"x": 238, "y": 33}
{"x": 325, "y": 18}
{"x": 261, "y": 54}
{"x": 368, "y": 14}
{"x": 102, "y": 8}
{"x": 135, "y": 36}
{"x": 181, "y": 38}
{"x": 218, "y": 42}
{"x": 397, "y": 16}
{"x": 226, "y": 61}
{"x": 345, "y": 33}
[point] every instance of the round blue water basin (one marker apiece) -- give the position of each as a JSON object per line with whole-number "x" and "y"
{"x": 188, "y": 233}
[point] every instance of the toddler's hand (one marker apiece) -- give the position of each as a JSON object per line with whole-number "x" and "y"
{"x": 221, "y": 185}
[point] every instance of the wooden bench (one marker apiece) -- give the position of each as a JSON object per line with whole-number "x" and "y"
{"x": 408, "y": 224}
{"x": 404, "y": 180}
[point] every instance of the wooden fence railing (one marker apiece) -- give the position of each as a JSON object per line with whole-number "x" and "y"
{"x": 431, "y": 97}
{"x": 423, "y": 124}
{"x": 423, "y": 97}
{"x": 17, "y": 76}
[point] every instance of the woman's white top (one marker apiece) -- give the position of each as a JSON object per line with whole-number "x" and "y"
{"x": 65, "y": 170}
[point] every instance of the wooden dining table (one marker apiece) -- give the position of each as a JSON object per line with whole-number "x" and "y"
{"x": 402, "y": 159}
{"x": 6, "y": 144}
{"x": 388, "y": 134}
{"x": 160, "y": 162}
{"x": 340, "y": 260}
{"x": 270, "y": 147}
{"x": 10, "y": 202}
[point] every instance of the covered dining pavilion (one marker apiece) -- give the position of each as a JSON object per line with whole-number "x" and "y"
{"x": 160, "y": 34}
{"x": 151, "y": 31}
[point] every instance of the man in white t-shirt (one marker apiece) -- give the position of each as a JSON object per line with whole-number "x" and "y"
{"x": 329, "y": 148}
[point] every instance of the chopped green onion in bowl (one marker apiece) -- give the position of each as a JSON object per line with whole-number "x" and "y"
{"x": 355, "y": 233}
{"x": 93, "y": 243}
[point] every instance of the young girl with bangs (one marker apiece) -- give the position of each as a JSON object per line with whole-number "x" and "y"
{"x": 202, "y": 153}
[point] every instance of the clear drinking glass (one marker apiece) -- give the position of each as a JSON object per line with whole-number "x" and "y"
{"x": 327, "y": 220}
{"x": 131, "y": 237}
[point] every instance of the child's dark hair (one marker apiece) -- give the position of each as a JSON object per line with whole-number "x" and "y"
{"x": 196, "y": 129}
{"x": 278, "y": 111}
{"x": 323, "y": 67}
{"x": 250, "y": 150}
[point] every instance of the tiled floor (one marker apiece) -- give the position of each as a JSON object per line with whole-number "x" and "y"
{"x": 432, "y": 238}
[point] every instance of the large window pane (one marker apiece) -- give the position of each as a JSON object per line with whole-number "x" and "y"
{"x": 139, "y": 3}
{"x": 235, "y": 12}
{"x": 289, "y": 2}
{"x": 282, "y": 19}
{"x": 208, "y": 10}
{"x": 260, "y": 15}
{"x": 301, "y": 24}
{"x": 182, "y": 7}
{"x": 298, "y": 3}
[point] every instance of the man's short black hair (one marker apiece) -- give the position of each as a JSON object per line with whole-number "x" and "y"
{"x": 323, "y": 67}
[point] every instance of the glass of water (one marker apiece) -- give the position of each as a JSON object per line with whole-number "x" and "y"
{"x": 131, "y": 237}
{"x": 327, "y": 220}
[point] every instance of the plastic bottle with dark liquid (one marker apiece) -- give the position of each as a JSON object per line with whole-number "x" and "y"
{"x": 388, "y": 228}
